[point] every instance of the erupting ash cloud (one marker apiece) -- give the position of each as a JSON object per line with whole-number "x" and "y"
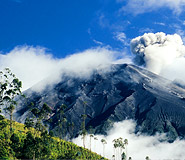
{"x": 160, "y": 53}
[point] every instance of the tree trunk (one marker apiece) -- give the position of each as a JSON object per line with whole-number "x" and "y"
{"x": 90, "y": 143}
{"x": 11, "y": 124}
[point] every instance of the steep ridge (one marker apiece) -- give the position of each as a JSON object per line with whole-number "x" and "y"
{"x": 125, "y": 92}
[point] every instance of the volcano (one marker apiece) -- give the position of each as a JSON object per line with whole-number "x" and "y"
{"x": 124, "y": 92}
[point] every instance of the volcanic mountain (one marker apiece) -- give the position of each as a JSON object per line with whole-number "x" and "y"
{"x": 124, "y": 92}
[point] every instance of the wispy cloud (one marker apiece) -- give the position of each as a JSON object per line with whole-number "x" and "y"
{"x": 115, "y": 23}
{"x": 160, "y": 23}
{"x": 98, "y": 42}
{"x": 121, "y": 36}
{"x": 141, "y": 6}
{"x": 180, "y": 31}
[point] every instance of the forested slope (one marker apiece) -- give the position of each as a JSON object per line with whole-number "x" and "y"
{"x": 28, "y": 143}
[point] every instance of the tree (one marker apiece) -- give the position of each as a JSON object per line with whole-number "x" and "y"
{"x": 36, "y": 122}
{"x": 46, "y": 142}
{"x": 10, "y": 87}
{"x": 83, "y": 131}
{"x": 61, "y": 120}
{"x": 91, "y": 136}
{"x": 118, "y": 147}
{"x": 71, "y": 129}
{"x": 64, "y": 121}
{"x": 29, "y": 147}
{"x": 4, "y": 143}
{"x": 123, "y": 156}
{"x": 126, "y": 144}
{"x": 45, "y": 112}
{"x": 3, "y": 124}
{"x": 29, "y": 123}
{"x": 103, "y": 142}
{"x": 16, "y": 144}
{"x": 95, "y": 139}
{"x": 39, "y": 116}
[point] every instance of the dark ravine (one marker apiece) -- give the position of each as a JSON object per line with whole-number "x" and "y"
{"x": 126, "y": 92}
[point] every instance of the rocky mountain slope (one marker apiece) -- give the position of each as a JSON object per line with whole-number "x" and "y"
{"x": 126, "y": 92}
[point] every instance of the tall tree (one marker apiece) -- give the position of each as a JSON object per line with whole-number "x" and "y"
{"x": 118, "y": 147}
{"x": 104, "y": 143}
{"x": 29, "y": 123}
{"x": 10, "y": 87}
{"x": 125, "y": 145}
{"x": 37, "y": 122}
{"x": 95, "y": 139}
{"x": 91, "y": 136}
{"x": 71, "y": 129}
{"x": 41, "y": 115}
{"x": 83, "y": 129}
{"x": 62, "y": 120}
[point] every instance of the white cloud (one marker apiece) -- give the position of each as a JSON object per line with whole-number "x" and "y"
{"x": 180, "y": 31}
{"x": 29, "y": 64}
{"x": 121, "y": 36}
{"x": 32, "y": 65}
{"x": 98, "y": 42}
{"x": 160, "y": 53}
{"x": 160, "y": 23}
{"x": 142, "y": 6}
{"x": 139, "y": 146}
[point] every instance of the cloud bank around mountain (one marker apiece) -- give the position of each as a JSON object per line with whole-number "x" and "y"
{"x": 142, "y": 6}
{"x": 35, "y": 64}
{"x": 139, "y": 146}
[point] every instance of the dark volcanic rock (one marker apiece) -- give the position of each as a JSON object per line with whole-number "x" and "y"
{"x": 126, "y": 92}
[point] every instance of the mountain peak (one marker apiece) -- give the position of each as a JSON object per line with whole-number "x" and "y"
{"x": 124, "y": 92}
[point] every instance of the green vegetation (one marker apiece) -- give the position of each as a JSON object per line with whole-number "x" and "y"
{"x": 24, "y": 144}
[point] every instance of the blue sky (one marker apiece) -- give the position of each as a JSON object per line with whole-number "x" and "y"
{"x": 68, "y": 26}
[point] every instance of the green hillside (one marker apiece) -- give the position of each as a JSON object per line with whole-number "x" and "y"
{"x": 23, "y": 143}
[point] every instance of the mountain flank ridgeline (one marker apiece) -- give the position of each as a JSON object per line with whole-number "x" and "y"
{"x": 125, "y": 92}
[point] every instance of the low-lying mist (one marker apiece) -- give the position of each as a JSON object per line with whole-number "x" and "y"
{"x": 139, "y": 145}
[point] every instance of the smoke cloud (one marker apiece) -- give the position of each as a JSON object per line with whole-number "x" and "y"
{"x": 35, "y": 64}
{"x": 139, "y": 146}
{"x": 160, "y": 53}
